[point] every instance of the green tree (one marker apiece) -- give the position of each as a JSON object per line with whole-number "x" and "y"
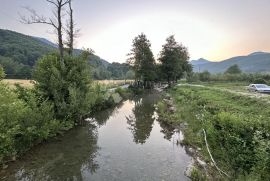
{"x": 2, "y": 73}
{"x": 66, "y": 84}
{"x": 142, "y": 60}
{"x": 174, "y": 60}
{"x": 204, "y": 76}
{"x": 234, "y": 69}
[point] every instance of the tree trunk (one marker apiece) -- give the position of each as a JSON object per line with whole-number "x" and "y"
{"x": 59, "y": 32}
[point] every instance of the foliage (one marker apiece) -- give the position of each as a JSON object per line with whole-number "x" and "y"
{"x": 19, "y": 53}
{"x": 25, "y": 121}
{"x": 173, "y": 58}
{"x": 243, "y": 77}
{"x": 204, "y": 76}
{"x": 197, "y": 175}
{"x": 260, "y": 81}
{"x": 22, "y": 51}
{"x": 118, "y": 71}
{"x": 238, "y": 135}
{"x": 142, "y": 59}
{"x": 234, "y": 69}
{"x": 66, "y": 83}
{"x": 2, "y": 73}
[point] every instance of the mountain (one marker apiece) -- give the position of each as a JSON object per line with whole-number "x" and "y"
{"x": 252, "y": 63}
{"x": 47, "y": 42}
{"x": 199, "y": 61}
{"x": 19, "y": 53}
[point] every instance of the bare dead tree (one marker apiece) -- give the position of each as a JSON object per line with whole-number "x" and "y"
{"x": 70, "y": 30}
{"x": 55, "y": 22}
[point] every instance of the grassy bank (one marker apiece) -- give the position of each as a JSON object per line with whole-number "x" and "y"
{"x": 237, "y": 128}
{"x": 26, "y": 121}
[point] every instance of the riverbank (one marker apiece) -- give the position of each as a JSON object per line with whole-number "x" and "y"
{"x": 236, "y": 126}
{"x": 125, "y": 142}
{"x": 27, "y": 122}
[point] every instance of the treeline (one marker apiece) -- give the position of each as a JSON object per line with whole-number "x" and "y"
{"x": 171, "y": 65}
{"x": 105, "y": 71}
{"x": 232, "y": 74}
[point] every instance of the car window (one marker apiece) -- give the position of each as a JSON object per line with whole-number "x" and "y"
{"x": 261, "y": 86}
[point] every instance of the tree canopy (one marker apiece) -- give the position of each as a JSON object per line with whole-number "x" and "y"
{"x": 234, "y": 69}
{"x": 174, "y": 60}
{"x": 142, "y": 59}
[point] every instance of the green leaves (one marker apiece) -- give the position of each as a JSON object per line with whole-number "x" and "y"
{"x": 2, "y": 73}
{"x": 173, "y": 58}
{"x": 142, "y": 59}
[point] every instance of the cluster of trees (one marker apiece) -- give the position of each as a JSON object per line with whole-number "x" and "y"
{"x": 18, "y": 53}
{"x": 103, "y": 70}
{"x": 232, "y": 74}
{"x": 171, "y": 65}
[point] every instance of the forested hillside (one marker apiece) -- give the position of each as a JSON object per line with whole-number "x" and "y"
{"x": 19, "y": 53}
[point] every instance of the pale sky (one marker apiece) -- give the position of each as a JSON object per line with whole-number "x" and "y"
{"x": 212, "y": 29}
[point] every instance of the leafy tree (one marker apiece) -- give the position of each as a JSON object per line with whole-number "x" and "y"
{"x": 174, "y": 60}
{"x": 142, "y": 60}
{"x": 234, "y": 69}
{"x": 2, "y": 73}
{"x": 65, "y": 84}
{"x": 204, "y": 76}
{"x": 118, "y": 70}
{"x": 130, "y": 74}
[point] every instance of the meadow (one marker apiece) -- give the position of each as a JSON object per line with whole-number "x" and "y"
{"x": 236, "y": 124}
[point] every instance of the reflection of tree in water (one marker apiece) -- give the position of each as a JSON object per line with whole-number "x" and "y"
{"x": 102, "y": 116}
{"x": 167, "y": 130}
{"x": 64, "y": 160}
{"x": 141, "y": 122}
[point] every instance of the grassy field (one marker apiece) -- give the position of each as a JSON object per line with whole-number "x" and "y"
{"x": 237, "y": 128}
{"x": 29, "y": 83}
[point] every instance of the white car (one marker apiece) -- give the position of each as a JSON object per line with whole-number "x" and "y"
{"x": 262, "y": 88}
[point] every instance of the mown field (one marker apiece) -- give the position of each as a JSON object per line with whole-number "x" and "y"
{"x": 30, "y": 83}
{"x": 237, "y": 128}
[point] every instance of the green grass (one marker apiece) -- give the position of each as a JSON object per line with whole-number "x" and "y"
{"x": 237, "y": 127}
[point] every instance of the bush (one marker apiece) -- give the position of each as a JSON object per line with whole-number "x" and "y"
{"x": 2, "y": 73}
{"x": 25, "y": 121}
{"x": 66, "y": 83}
{"x": 260, "y": 81}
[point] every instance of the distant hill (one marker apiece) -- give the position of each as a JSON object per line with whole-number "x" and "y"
{"x": 19, "y": 53}
{"x": 252, "y": 63}
{"x": 199, "y": 61}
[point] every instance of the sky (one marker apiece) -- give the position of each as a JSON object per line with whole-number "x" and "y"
{"x": 210, "y": 29}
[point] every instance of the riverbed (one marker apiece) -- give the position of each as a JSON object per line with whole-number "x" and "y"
{"x": 126, "y": 142}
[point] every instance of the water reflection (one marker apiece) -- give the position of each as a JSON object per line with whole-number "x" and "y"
{"x": 141, "y": 121}
{"x": 64, "y": 159}
{"x": 105, "y": 149}
{"x": 103, "y": 116}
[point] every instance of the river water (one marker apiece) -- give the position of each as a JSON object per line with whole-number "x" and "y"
{"x": 124, "y": 143}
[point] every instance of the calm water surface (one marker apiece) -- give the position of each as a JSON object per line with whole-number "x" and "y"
{"x": 124, "y": 143}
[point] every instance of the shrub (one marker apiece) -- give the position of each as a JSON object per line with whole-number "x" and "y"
{"x": 66, "y": 83}
{"x": 2, "y": 73}
{"x": 25, "y": 121}
{"x": 260, "y": 81}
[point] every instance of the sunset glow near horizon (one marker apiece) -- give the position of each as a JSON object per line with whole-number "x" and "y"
{"x": 212, "y": 29}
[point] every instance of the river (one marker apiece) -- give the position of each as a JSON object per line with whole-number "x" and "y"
{"x": 124, "y": 143}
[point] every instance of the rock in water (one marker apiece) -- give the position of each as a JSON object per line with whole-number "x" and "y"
{"x": 116, "y": 98}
